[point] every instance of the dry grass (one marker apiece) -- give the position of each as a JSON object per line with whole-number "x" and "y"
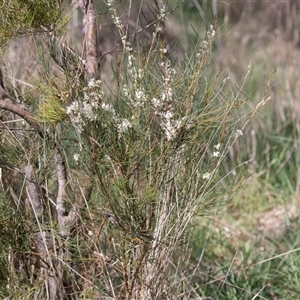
{"x": 268, "y": 41}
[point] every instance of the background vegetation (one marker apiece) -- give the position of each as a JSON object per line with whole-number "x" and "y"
{"x": 173, "y": 177}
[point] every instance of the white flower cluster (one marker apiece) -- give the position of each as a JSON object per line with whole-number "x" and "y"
{"x": 206, "y": 44}
{"x": 131, "y": 59}
{"x": 163, "y": 50}
{"x": 85, "y": 110}
{"x": 114, "y": 14}
{"x": 162, "y": 12}
{"x": 138, "y": 98}
{"x": 206, "y": 175}
{"x": 127, "y": 45}
{"x": 126, "y": 91}
{"x": 122, "y": 124}
{"x": 136, "y": 73}
{"x": 239, "y": 132}
{"x": 216, "y": 153}
{"x": 76, "y": 157}
{"x": 163, "y": 106}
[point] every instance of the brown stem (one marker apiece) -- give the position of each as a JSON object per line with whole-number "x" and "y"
{"x": 91, "y": 37}
{"x": 6, "y": 104}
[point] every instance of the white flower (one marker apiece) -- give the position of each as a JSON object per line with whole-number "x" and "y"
{"x": 140, "y": 98}
{"x": 239, "y": 132}
{"x": 124, "y": 126}
{"x": 74, "y": 113}
{"x": 155, "y": 102}
{"x": 212, "y": 32}
{"x": 92, "y": 83}
{"x": 86, "y": 109}
{"x": 126, "y": 90}
{"x": 117, "y": 21}
{"x": 113, "y": 12}
{"x": 217, "y": 147}
{"x": 162, "y": 13}
{"x": 76, "y": 157}
{"x": 250, "y": 66}
{"x": 168, "y": 115}
{"x": 206, "y": 176}
{"x": 163, "y": 106}
{"x": 130, "y": 61}
{"x": 157, "y": 29}
{"x": 108, "y": 107}
{"x": 139, "y": 94}
{"x": 216, "y": 154}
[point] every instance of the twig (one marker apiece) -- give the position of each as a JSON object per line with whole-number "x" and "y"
{"x": 6, "y": 104}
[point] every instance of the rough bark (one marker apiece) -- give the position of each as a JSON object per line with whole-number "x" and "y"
{"x": 91, "y": 38}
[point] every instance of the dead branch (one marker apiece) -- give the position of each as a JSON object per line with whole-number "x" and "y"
{"x": 91, "y": 37}
{"x": 8, "y": 105}
{"x": 33, "y": 192}
{"x": 65, "y": 221}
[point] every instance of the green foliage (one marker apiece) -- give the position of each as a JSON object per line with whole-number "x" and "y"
{"x": 51, "y": 111}
{"x": 14, "y": 244}
{"x": 21, "y": 16}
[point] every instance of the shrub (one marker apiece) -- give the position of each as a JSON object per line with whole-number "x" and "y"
{"x": 118, "y": 174}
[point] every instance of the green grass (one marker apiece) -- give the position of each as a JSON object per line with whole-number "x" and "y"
{"x": 243, "y": 265}
{"x": 249, "y": 249}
